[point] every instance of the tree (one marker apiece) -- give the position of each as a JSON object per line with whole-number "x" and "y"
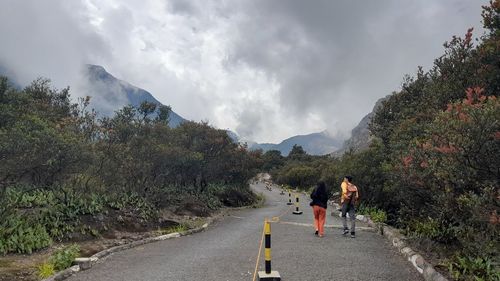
{"x": 272, "y": 159}
{"x": 297, "y": 152}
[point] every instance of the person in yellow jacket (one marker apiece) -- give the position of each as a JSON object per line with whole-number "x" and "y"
{"x": 350, "y": 195}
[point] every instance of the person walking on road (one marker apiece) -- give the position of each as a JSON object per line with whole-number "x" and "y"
{"x": 319, "y": 203}
{"x": 350, "y": 196}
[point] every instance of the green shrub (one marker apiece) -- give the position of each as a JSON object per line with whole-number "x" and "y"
{"x": 378, "y": 216}
{"x": 473, "y": 268}
{"x": 363, "y": 209}
{"x": 46, "y": 270}
{"x": 375, "y": 214}
{"x": 18, "y": 234}
{"x": 210, "y": 196}
{"x": 237, "y": 196}
{"x": 132, "y": 202}
{"x": 428, "y": 228}
{"x": 15, "y": 196}
{"x": 63, "y": 258}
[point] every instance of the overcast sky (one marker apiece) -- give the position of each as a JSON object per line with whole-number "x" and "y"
{"x": 266, "y": 69}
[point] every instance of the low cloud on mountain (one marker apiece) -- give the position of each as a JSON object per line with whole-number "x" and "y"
{"x": 265, "y": 69}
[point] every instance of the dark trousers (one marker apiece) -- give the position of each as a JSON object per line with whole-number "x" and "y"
{"x": 349, "y": 208}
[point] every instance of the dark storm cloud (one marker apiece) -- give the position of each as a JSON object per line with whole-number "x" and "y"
{"x": 336, "y": 58}
{"x": 269, "y": 69}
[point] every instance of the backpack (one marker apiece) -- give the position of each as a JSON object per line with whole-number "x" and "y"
{"x": 350, "y": 194}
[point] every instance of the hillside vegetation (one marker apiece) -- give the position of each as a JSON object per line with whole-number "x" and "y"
{"x": 66, "y": 175}
{"x": 434, "y": 163}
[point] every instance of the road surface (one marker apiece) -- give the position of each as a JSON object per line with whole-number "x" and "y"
{"x": 227, "y": 250}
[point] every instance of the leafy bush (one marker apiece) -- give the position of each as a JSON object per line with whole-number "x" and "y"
{"x": 35, "y": 198}
{"x": 18, "y": 234}
{"x": 132, "y": 202}
{"x": 237, "y": 196}
{"x": 63, "y": 258}
{"x": 378, "y": 216}
{"x": 375, "y": 214}
{"x": 210, "y": 197}
{"x": 298, "y": 175}
{"x": 473, "y": 268}
{"x": 428, "y": 228}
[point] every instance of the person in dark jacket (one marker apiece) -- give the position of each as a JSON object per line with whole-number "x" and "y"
{"x": 319, "y": 203}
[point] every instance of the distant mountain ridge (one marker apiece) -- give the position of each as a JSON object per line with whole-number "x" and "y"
{"x": 360, "y": 136}
{"x": 321, "y": 143}
{"x": 109, "y": 94}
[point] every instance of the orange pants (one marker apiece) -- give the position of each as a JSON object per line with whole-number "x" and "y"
{"x": 319, "y": 219}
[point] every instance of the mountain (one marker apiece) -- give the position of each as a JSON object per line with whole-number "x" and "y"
{"x": 315, "y": 144}
{"x": 360, "y": 136}
{"x": 233, "y": 136}
{"x": 109, "y": 94}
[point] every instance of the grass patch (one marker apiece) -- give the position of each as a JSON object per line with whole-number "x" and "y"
{"x": 173, "y": 229}
{"x": 46, "y": 270}
{"x": 194, "y": 223}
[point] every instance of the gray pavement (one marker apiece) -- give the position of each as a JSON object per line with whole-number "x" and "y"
{"x": 227, "y": 250}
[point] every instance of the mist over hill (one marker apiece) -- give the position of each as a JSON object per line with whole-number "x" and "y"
{"x": 109, "y": 94}
{"x": 360, "y": 135}
{"x": 314, "y": 144}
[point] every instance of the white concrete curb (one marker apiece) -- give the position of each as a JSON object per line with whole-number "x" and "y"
{"x": 420, "y": 264}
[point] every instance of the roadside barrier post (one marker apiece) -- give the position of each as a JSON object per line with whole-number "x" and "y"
{"x": 289, "y": 198}
{"x": 297, "y": 206}
{"x": 268, "y": 274}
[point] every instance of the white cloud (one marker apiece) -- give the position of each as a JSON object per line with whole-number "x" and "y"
{"x": 266, "y": 69}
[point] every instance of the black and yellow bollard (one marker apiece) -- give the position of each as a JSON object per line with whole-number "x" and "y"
{"x": 289, "y": 198}
{"x": 297, "y": 206}
{"x": 268, "y": 274}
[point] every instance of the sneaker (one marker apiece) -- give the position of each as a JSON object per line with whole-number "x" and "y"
{"x": 353, "y": 235}
{"x": 320, "y": 236}
{"x": 316, "y": 233}
{"x": 346, "y": 231}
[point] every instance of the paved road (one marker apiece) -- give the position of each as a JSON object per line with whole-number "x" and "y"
{"x": 227, "y": 251}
